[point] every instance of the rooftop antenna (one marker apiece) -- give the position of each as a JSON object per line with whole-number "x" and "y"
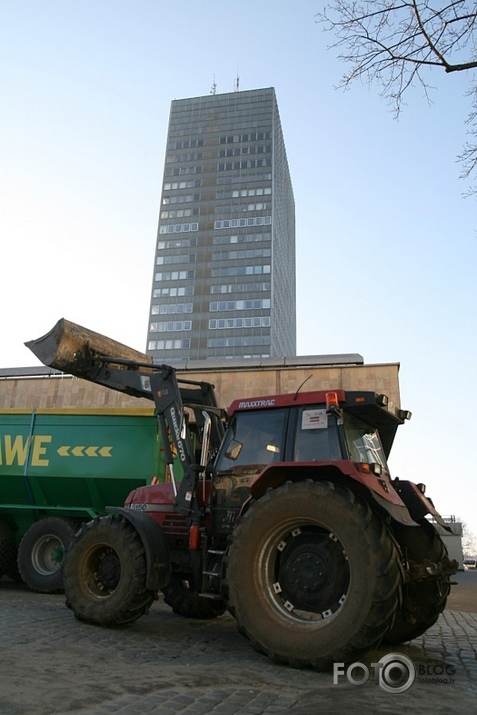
{"x": 213, "y": 89}
{"x": 236, "y": 83}
{"x": 296, "y": 393}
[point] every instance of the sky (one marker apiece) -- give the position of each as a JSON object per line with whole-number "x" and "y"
{"x": 386, "y": 243}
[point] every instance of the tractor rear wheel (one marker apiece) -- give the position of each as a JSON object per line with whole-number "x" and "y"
{"x": 184, "y": 602}
{"x": 313, "y": 575}
{"x": 424, "y": 599}
{"x": 105, "y": 573}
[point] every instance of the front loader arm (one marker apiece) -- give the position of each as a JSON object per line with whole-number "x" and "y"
{"x": 79, "y": 351}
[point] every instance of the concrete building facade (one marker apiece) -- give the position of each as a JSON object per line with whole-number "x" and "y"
{"x": 43, "y": 388}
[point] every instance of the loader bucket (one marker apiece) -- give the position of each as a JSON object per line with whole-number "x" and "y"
{"x": 70, "y": 348}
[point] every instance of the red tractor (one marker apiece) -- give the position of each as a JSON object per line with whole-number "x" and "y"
{"x": 284, "y": 513}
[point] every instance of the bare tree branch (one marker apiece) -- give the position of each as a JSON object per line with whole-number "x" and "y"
{"x": 397, "y": 43}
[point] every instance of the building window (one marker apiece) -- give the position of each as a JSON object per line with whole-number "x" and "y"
{"x": 241, "y": 222}
{"x": 176, "y": 243}
{"x": 183, "y": 344}
{"x": 171, "y": 308}
{"x": 173, "y": 292}
{"x": 240, "y": 165}
{"x": 239, "y": 341}
{"x": 240, "y": 288}
{"x": 223, "y": 305}
{"x": 240, "y": 271}
{"x": 170, "y": 326}
{"x": 183, "y": 170}
{"x": 246, "y": 253}
{"x": 191, "y": 144}
{"x": 175, "y": 258}
{"x": 242, "y": 238}
{"x": 179, "y": 228}
{"x": 191, "y": 184}
{"x": 248, "y": 137}
{"x": 239, "y": 193}
{"x": 231, "y": 323}
{"x": 180, "y": 199}
{"x": 174, "y": 275}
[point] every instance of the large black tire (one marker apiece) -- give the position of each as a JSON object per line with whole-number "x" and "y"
{"x": 42, "y": 551}
{"x": 313, "y": 575}
{"x": 423, "y": 600}
{"x": 184, "y": 602}
{"x": 105, "y": 573}
{"x": 7, "y": 548}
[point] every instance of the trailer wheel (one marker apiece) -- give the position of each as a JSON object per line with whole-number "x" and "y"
{"x": 7, "y": 548}
{"x": 41, "y": 554}
{"x": 313, "y": 575}
{"x": 423, "y": 600}
{"x": 105, "y": 573}
{"x": 184, "y": 602}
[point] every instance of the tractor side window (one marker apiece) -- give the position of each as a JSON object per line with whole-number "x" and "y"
{"x": 253, "y": 438}
{"x": 316, "y": 437}
{"x": 363, "y": 442}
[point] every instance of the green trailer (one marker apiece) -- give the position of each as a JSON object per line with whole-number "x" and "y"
{"x": 59, "y": 468}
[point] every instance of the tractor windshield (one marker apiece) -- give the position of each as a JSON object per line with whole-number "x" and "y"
{"x": 253, "y": 438}
{"x": 363, "y": 441}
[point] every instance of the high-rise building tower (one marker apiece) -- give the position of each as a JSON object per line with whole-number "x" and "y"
{"x": 224, "y": 274}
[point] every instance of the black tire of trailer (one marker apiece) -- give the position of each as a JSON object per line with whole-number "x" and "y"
{"x": 313, "y": 575}
{"x": 41, "y": 553}
{"x": 7, "y": 548}
{"x": 105, "y": 573}
{"x": 423, "y": 601}
{"x": 184, "y": 602}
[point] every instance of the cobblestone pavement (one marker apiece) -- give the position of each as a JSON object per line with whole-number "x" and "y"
{"x": 51, "y": 663}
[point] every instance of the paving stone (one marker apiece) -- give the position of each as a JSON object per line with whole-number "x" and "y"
{"x": 167, "y": 665}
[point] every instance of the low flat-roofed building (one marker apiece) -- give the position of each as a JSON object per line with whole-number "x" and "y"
{"x": 39, "y": 387}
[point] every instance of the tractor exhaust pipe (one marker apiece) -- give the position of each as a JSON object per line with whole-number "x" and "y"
{"x": 70, "y": 348}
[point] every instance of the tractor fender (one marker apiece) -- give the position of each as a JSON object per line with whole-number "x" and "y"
{"x": 341, "y": 472}
{"x": 156, "y": 549}
{"x": 417, "y": 503}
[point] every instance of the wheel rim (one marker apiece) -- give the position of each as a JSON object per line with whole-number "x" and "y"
{"x": 305, "y": 572}
{"x": 47, "y": 555}
{"x": 100, "y": 571}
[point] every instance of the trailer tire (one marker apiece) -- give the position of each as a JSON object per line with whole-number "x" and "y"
{"x": 313, "y": 575}
{"x": 105, "y": 573}
{"x": 423, "y": 600}
{"x": 185, "y": 602}
{"x": 42, "y": 551}
{"x": 7, "y": 548}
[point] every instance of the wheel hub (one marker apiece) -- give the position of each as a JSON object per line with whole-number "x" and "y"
{"x": 108, "y": 571}
{"x": 312, "y": 571}
{"x": 47, "y": 555}
{"x": 101, "y": 570}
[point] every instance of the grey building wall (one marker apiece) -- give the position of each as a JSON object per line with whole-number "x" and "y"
{"x": 42, "y": 388}
{"x": 224, "y": 273}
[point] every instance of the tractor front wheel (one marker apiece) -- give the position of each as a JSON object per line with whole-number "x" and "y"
{"x": 313, "y": 575}
{"x": 105, "y": 573}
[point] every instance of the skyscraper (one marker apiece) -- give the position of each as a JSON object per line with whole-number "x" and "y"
{"x": 224, "y": 274}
